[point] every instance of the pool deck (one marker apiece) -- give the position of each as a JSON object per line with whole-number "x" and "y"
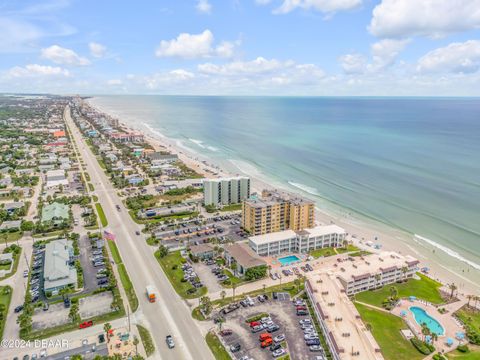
{"x": 449, "y": 324}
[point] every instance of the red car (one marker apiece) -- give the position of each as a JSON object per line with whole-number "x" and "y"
{"x": 226, "y": 332}
{"x": 86, "y": 324}
{"x": 255, "y": 323}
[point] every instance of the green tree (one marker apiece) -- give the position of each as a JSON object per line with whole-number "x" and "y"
{"x": 135, "y": 343}
{"x": 107, "y": 327}
{"x": 162, "y": 251}
{"x": 452, "y": 288}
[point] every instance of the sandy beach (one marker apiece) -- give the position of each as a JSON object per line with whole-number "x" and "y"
{"x": 389, "y": 238}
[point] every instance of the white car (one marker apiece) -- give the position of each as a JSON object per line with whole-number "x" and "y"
{"x": 310, "y": 336}
{"x": 279, "y": 352}
{"x": 279, "y": 338}
{"x": 305, "y": 321}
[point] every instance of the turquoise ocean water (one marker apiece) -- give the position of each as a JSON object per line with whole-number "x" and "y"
{"x": 409, "y": 163}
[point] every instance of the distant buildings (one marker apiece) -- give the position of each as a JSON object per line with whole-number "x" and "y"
{"x": 277, "y": 211}
{"x": 304, "y": 241}
{"x": 127, "y": 137}
{"x": 225, "y": 191}
{"x": 159, "y": 158}
{"x": 55, "y": 178}
{"x": 59, "y": 271}
{"x": 55, "y": 212}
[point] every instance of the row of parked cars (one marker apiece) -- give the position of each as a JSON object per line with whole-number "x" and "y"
{"x": 274, "y": 344}
{"x": 37, "y": 269}
{"x": 191, "y": 276}
{"x": 97, "y": 258}
{"x": 310, "y": 334}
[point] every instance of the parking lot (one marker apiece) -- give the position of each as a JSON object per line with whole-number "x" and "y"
{"x": 207, "y": 277}
{"x": 220, "y": 227}
{"x": 283, "y": 313}
{"x": 90, "y": 281}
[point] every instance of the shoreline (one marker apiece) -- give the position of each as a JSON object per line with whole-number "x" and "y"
{"x": 366, "y": 230}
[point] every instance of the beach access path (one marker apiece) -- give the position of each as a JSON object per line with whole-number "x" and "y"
{"x": 170, "y": 315}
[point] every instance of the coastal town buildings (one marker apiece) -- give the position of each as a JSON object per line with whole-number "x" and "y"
{"x": 303, "y": 241}
{"x": 59, "y": 271}
{"x": 225, "y": 191}
{"x": 277, "y": 211}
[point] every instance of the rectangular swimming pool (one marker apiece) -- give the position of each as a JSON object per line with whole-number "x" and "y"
{"x": 287, "y": 260}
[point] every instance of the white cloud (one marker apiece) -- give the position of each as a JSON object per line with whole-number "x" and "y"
{"x": 259, "y": 65}
{"x": 386, "y": 51}
{"x": 15, "y": 35}
{"x": 353, "y": 63}
{"x": 35, "y": 70}
{"x": 160, "y": 80}
{"x": 204, "y": 6}
{"x": 263, "y": 2}
{"x": 432, "y": 18}
{"x": 324, "y": 6}
{"x": 454, "y": 58}
{"x": 115, "y": 82}
{"x": 60, "y": 55}
{"x": 97, "y": 50}
{"x": 191, "y": 46}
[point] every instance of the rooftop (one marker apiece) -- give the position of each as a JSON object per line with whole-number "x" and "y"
{"x": 276, "y": 236}
{"x": 244, "y": 256}
{"x": 57, "y": 271}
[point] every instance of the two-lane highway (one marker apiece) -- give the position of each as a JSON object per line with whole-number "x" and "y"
{"x": 170, "y": 314}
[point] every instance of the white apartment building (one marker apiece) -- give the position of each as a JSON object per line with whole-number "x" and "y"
{"x": 225, "y": 191}
{"x": 375, "y": 271}
{"x": 303, "y": 241}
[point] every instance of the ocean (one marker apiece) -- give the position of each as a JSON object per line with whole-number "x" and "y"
{"x": 408, "y": 163}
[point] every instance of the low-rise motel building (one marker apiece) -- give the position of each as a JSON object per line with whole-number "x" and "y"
{"x": 329, "y": 290}
{"x": 302, "y": 241}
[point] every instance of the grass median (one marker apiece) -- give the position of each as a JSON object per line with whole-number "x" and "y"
{"x": 124, "y": 278}
{"x": 147, "y": 340}
{"x": 216, "y": 347}
{"x": 101, "y": 214}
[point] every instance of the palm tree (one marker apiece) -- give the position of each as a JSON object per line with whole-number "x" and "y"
{"x": 434, "y": 337}
{"x": 404, "y": 272}
{"x": 135, "y": 342}
{"x": 269, "y": 269}
{"x": 476, "y": 298}
{"x": 393, "y": 292}
{"x": 107, "y": 327}
{"x": 425, "y": 331}
{"x": 264, "y": 286}
{"x": 377, "y": 279}
{"x": 234, "y": 285}
{"x": 470, "y": 297}
{"x": 452, "y": 288}
{"x": 223, "y": 293}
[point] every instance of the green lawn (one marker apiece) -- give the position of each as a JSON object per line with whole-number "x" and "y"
{"x": 5, "y": 301}
{"x": 16, "y": 260}
{"x": 91, "y": 187}
{"x": 233, "y": 279}
{"x": 473, "y": 354}
{"x": 147, "y": 340}
{"x": 349, "y": 248}
{"x": 386, "y": 330}
{"x": 328, "y": 251}
{"x": 470, "y": 317}
{"x": 172, "y": 266}
{"x": 101, "y": 214}
{"x": 425, "y": 289}
{"x": 10, "y": 236}
{"x": 128, "y": 286}
{"x": 232, "y": 207}
{"x": 360, "y": 253}
{"x": 216, "y": 347}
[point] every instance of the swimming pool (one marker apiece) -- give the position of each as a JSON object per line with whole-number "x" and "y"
{"x": 287, "y": 260}
{"x": 421, "y": 316}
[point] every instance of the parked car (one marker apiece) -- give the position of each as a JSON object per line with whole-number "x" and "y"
{"x": 279, "y": 352}
{"x": 312, "y": 342}
{"x": 315, "y": 348}
{"x": 275, "y": 346}
{"x": 18, "y": 308}
{"x": 273, "y": 328}
{"x": 226, "y": 332}
{"x": 279, "y": 338}
{"x": 235, "y": 348}
{"x": 85, "y": 324}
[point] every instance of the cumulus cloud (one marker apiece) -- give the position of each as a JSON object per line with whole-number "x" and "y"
{"x": 157, "y": 80}
{"x": 432, "y": 18}
{"x": 453, "y": 58}
{"x": 63, "y": 56}
{"x": 191, "y": 46}
{"x": 204, "y": 7}
{"x": 97, "y": 50}
{"x": 353, "y": 63}
{"x": 385, "y": 52}
{"x": 35, "y": 70}
{"x": 324, "y": 6}
{"x": 259, "y": 65}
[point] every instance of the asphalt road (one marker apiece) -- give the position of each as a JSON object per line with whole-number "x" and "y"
{"x": 170, "y": 314}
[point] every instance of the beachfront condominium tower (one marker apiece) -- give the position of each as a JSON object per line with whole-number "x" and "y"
{"x": 277, "y": 211}
{"x": 225, "y": 191}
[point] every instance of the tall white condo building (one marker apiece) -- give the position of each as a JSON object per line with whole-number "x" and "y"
{"x": 225, "y": 191}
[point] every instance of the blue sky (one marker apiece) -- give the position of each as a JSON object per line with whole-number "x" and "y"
{"x": 244, "y": 47}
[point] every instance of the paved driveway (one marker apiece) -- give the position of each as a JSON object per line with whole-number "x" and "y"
{"x": 95, "y": 305}
{"x": 209, "y": 279}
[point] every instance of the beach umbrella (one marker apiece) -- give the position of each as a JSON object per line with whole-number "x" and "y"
{"x": 403, "y": 313}
{"x": 412, "y": 298}
{"x": 449, "y": 341}
{"x": 459, "y": 335}
{"x": 428, "y": 339}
